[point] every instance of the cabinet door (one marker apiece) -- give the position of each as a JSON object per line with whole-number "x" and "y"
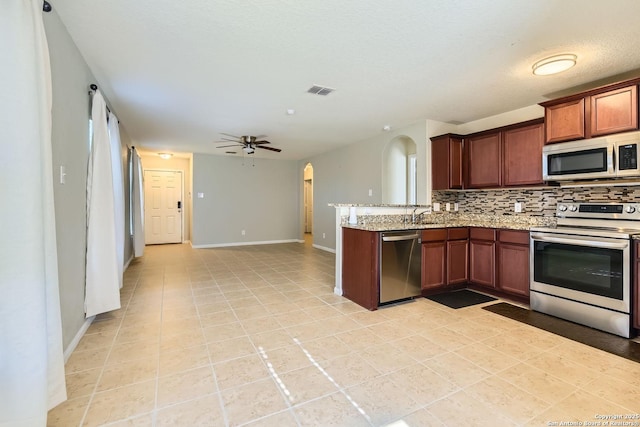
{"x": 482, "y": 262}
{"x": 565, "y": 121}
{"x": 614, "y": 111}
{"x": 457, "y": 261}
{"x": 636, "y": 288}
{"x": 523, "y": 155}
{"x": 360, "y": 267}
{"x": 483, "y": 161}
{"x": 446, "y": 162}
{"x": 513, "y": 268}
{"x": 433, "y": 265}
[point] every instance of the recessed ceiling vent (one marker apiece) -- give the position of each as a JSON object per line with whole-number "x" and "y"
{"x": 320, "y": 90}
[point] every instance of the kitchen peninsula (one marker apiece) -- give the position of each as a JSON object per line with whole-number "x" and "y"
{"x": 456, "y": 248}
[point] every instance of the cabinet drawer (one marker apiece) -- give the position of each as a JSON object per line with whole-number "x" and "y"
{"x": 479, "y": 233}
{"x": 458, "y": 233}
{"x": 435, "y": 235}
{"x": 514, "y": 236}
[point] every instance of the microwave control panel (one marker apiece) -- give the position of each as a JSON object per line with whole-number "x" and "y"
{"x": 627, "y": 156}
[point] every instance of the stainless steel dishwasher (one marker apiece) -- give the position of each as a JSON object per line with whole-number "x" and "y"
{"x": 399, "y": 266}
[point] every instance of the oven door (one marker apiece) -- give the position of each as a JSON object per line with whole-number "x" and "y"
{"x": 586, "y": 269}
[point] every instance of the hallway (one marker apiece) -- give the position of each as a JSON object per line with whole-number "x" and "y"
{"x": 255, "y": 336}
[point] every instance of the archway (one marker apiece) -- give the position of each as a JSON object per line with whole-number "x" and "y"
{"x": 399, "y": 177}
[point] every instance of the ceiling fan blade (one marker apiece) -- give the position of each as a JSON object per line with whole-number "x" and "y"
{"x": 277, "y": 150}
{"x": 228, "y": 134}
{"x": 230, "y": 140}
{"x": 225, "y": 146}
{"x": 261, "y": 142}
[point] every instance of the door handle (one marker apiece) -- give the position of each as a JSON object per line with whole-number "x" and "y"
{"x": 179, "y": 204}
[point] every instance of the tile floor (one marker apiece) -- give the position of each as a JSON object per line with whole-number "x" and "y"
{"x": 255, "y": 336}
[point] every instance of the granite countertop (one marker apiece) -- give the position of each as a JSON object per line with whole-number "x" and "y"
{"x": 511, "y": 222}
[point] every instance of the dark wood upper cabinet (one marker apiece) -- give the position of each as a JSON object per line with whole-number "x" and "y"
{"x": 565, "y": 121}
{"x": 446, "y": 162}
{"x": 601, "y": 111}
{"x": 614, "y": 111}
{"x": 523, "y": 155}
{"x": 484, "y": 159}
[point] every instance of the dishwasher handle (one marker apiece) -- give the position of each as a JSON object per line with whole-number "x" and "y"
{"x": 400, "y": 237}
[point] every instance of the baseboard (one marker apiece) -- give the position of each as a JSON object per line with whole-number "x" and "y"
{"x": 324, "y": 248}
{"x": 76, "y": 340}
{"x": 126, "y": 265}
{"x": 224, "y": 245}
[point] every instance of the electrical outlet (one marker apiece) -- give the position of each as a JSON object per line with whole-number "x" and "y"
{"x": 456, "y": 207}
{"x": 447, "y": 207}
{"x": 324, "y": 236}
{"x": 517, "y": 207}
{"x": 436, "y": 207}
{"x": 370, "y": 192}
{"x": 243, "y": 233}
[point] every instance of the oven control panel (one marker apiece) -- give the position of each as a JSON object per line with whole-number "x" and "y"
{"x": 628, "y": 211}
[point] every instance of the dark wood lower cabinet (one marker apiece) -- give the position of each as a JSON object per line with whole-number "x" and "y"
{"x": 636, "y": 287}
{"x": 457, "y": 262}
{"x": 434, "y": 255}
{"x": 512, "y": 262}
{"x": 360, "y": 267}
{"x": 513, "y": 268}
{"x": 482, "y": 257}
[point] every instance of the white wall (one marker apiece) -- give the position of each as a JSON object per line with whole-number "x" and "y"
{"x": 346, "y": 174}
{"x": 71, "y": 78}
{"x": 263, "y": 199}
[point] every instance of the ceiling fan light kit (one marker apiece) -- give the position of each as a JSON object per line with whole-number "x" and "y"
{"x": 249, "y": 143}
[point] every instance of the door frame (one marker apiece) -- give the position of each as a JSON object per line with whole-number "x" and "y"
{"x": 144, "y": 171}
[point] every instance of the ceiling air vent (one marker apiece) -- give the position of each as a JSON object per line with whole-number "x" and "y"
{"x": 320, "y": 90}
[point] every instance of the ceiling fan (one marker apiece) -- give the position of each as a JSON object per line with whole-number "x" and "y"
{"x": 248, "y": 143}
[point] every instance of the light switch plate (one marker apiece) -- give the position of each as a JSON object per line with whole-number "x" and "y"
{"x": 436, "y": 207}
{"x": 447, "y": 207}
{"x": 517, "y": 207}
{"x": 200, "y": 195}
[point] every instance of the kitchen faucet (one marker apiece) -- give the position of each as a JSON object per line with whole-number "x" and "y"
{"x": 415, "y": 216}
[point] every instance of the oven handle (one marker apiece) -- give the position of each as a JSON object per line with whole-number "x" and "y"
{"x": 580, "y": 241}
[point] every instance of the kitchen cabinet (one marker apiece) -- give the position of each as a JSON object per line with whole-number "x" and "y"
{"x": 434, "y": 255}
{"x": 512, "y": 262}
{"x": 361, "y": 267}
{"x": 614, "y": 111}
{"x": 483, "y": 158}
{"x": 565, "y": 121}
{"x": 636, "y": 286}
{"x": 446, "y": 162}
{"x": 457, "y": 255}
{"x": 522, "y": 154}
{"x": 482, "y": 259}
{"x": 602, "y": 111}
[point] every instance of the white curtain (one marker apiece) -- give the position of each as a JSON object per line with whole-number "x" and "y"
{"x": 118, "y": 190}
{"x": 138, "y": 205}
{"x": 102, "y": 292}
{"x": 31, "y": 356}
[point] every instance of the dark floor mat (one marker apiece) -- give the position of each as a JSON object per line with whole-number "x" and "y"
{"x": 583, "y": 334}
{"x": 459, "y": 299}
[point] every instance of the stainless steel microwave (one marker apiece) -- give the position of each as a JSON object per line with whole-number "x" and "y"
{"x": 614, "y": 156}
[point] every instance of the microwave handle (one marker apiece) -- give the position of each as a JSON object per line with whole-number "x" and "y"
{"x": 580, "y": 241}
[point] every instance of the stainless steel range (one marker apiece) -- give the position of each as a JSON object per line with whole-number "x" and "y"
{"x": 582, "y": 269}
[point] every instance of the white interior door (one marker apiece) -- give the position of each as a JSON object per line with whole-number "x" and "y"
{"x": 162, "y": 206}
{"x": 308, "y": 206}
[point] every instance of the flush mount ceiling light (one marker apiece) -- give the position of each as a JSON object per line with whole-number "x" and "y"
{"x": 386, "y": 128}
{"x": 165, "y": 156}
{"x": 291, "y": 111}
{"x": 554, "y": 64}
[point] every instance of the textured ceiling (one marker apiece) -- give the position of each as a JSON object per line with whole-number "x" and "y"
{"x": 178, "y": 73}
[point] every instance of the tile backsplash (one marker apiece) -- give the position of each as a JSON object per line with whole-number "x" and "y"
{"x": 539, "y": 201}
